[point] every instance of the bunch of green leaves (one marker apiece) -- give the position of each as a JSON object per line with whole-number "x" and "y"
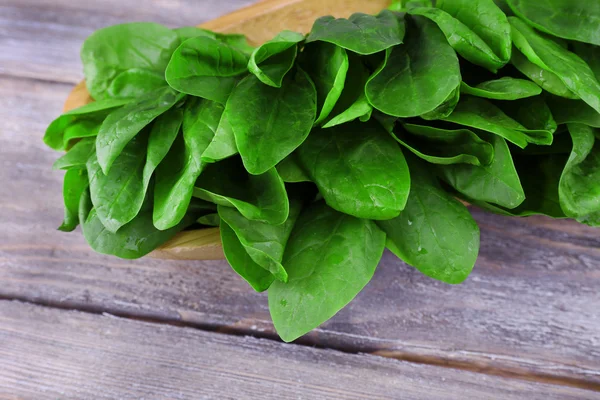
{"x": 313, "y": 153}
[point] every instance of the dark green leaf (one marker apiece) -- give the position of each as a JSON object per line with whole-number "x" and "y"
{"x": 118, "y": 196}
{"x": 485, "y": 19}
{"x": 359, "y": 169}
{"x": 177, "y": 174}
{"x": 75, "y": 183}
{"x": 264, "y": 243}
{"x": 569, "y": 19}
{"x": 505, "y": 88}
{"x": 330, "y": 257}
{"x": 446, "y": 108}
{"x": 275, "y": 58}
{"x": 212, "y": 219}
{"x": 108, "y": 52}
{"x": 259, "y": 278}
{"x": 496, "y": 183}
{"x": 535, "y": 116}
{"x": 417, "y": 77}
{"x": 77, "y": 156}
{"x": 291, "y": 171}
{"x": 547, "y": 80}
{"x": 435, "y": 233}
{"x": 258, "y": 197}
{"x": 573, "y": 111}
{"x": 206, "y": 68}
{"x": 551, "y": 56}
{"x": 352, "y": 103}
{"x": 135, "y": 83}
{"x": 442, "y": 146}
{"x": 462, "y": 39}
{"x": 125, "y": 123}
{"x": 361, "y": 33}
{"x": 579, "y": 187}
{"x": 276, "y": 121}
{"x": 223, "y": 144}
{"x": 327, "y": 65}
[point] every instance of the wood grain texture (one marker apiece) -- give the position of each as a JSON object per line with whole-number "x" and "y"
{"x": 530, "y": 309}
{"x": 73, "y": 355}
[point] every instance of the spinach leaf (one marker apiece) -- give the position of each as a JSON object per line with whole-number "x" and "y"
{"x": 443, "y": 146}
{"x": 223, "y": 143}
{"x": 237, "y": 41}
{"x": 125, "y": 123}
{"x": 327, "y": 65}
{"x": 535, "y": 115}
{"x": 188, "y": 32}
{"x": 435, "y": 233}
{"x": 330, "y": 257}
{"x": 590, "y": 54}
{"x": 446, "y": 108}
{"x": 551, "y": 56}
{"x": 505, "y": 88}
{"x": 539, "y": 176}
{"x": 291, "y": 171}
{"x": 361, "y": 33}
{"x": 118, "y": 196}
{"x": 206, "y": 68}
{"x": 496, "y": 183}
{"x": 547, "y": 80}
{"x": 462, "y": 39}
{"x": 579, "y": 187}
{"x": 485, "y": 19}
{"x": 576, "y": 20}
{"x": 80, "y": 122}
{"x": 111, "y": 51}
{"x": 259, "y": 278}
{"x": 352, "y": 103}
{"x": 85, "y": 206}
{"x": 573, "y": 111}
{"x": 177, "y": 174}
{"x": 481, "y": 114}
{"x": 265, "y": 243}
{"x": 275, "y": 58}
{"x": 275, "y": 122}
{"x": 75, "y": 183}
{"x": 592, "y": 220}
{"x": 417, "y": 77}
{"x": 212, "y": 219}
{"x": 358, "y": 168}
{"x": 134, "y": 240}
{"x": 260, "y": 198}
{"x": 77, "y": 156}
{"x": 136, "y": 82}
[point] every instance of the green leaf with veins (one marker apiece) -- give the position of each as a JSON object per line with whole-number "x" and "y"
{"x": 568, "y": 19}
{"x": 496, "y": 183}
{"x": 274, "y": 122}
{"x": 258, "y": 197}
{"x": 435, "y": 233}
{"x": 535, "y": 116}
{"x": 291, "y": 171}
{"x": 271, "y": 61}
{"x": 418, "y": 77}
{"x": 265, "y": 243}
{"x": 122, "y": 125}
{"x": 177, "y": 174}
{"x": 462, "y": 39}
{"x": 361, "y": 33}
{"x": 75, "y": 183}
{"x": 358, "y": 168}
{"x": 443, "y": 146}
{"x": 330, "y": 257}
{"x": 505, "y": 88}
{"x": 77, "y": 156}
{"x": 206, "y": 68}
{"x": 259, "y": 278}
{"x": 223, "y": 144}
{"x": 567, "y": 111}
{"x": 579, "y": 187}
{"x": 551, "y": 56}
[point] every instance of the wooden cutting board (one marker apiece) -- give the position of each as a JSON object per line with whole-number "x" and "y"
{"x": 259, "y": 22}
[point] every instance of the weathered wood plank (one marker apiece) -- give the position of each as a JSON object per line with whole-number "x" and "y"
{"x": 49, "y": 354}
{"x": 41, "y": 39}
{"x": 531, "y": 308}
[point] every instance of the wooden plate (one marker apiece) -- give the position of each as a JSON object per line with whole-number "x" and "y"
{"x": 259, "y": 22}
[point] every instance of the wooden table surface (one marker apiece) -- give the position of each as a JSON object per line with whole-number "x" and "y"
{"x": 79, "y": 325}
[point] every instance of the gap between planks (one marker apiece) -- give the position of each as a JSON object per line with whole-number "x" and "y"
{"x": 397, "y": 354}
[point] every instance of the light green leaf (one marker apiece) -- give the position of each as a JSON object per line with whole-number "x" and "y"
{"x": 505, "y": 88}
{"x": 75, "y": 183}
{"x": 271, "y": 61}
